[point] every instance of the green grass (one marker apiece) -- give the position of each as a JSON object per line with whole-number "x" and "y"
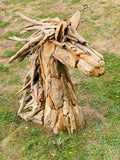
{"x": 14, "y": 79}
{"x": 3, "y": 68}
{"x": 102, "y": 2}
{"x": 3, "y": 24}
{"x": 10, "y": 34}
{"x": 53, "y": 15}
{"x": 96, "y": 17}
{"x": 43, "y": 16}
{"x": 10, "y": 52}
{"x": 8, "y": 117}
{"x": 29, "y": 141}
{"x": 93, "y": 142}
{"x": 17, "y": 34}
{"x": 19, "y": 1}
{"x": 18, "y": 66}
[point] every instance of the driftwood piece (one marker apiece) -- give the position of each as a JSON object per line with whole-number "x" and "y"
{"x": 38, "y": 118}
{"x": 54, "y": 118}
{"x": 18, "y": 39}
{"x": 58, "y": 32}
{"x": 48, "y": 96}
{"x": 26, "y": 47}
{"x": 75, "y": 36}
{"x": 67, "y": 58}
{"x": 75, "y": 20}
{"x": 66, "y": 108}
{"x": 56, "y": 92}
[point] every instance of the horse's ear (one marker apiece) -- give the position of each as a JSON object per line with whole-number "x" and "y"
{"x": 75, "y": 19}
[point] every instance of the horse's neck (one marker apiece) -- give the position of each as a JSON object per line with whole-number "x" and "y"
{"x": 52, "y": 95}
{"x": 57, "y": 84}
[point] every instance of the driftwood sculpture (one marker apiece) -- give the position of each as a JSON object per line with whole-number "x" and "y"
{"x": 48, "y": 94}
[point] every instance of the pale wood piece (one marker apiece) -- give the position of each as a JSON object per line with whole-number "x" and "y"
{"x": 21, "y": 51}
{"x": 75, "y": 36}
{"x": 56, "y": 92}
{"x": 38, "y": 118}
{"x": 75, "y": 20}
{"x": 54, "y": 118}
{"x": 72, "y": 120}
{"x": 58, "y": 32}
{"x": 18, "y": 39}
{"x": 66, "y": 108}
{"x": 67, "y": 58}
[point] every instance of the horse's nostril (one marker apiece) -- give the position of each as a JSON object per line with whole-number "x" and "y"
{"x": 102, "y": 63}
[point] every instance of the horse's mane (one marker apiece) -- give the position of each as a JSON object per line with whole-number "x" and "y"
{"x": 61, "y": 32}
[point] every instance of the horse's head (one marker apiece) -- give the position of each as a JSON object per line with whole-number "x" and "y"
{"x": 69, "y": 47}
{"x": 74, "y": 51}
{"x": 91, "y": 63}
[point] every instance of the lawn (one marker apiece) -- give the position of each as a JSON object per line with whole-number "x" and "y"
{"x": 97, "y": 140}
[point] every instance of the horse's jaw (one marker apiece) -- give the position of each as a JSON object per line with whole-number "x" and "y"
{"x": 91, "y": 64}
{"x": 88, "y": 70}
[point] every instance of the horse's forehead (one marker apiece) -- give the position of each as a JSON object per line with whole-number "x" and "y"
{"x": 65, "y": 36}
{"x": 82, "y": 50}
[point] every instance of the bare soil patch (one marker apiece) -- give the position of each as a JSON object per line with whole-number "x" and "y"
{"x": 7, "y": 44}
{"x": 2, "y": 30}
{"x": 4, "y": 45}
{"x": 109, "y": 44}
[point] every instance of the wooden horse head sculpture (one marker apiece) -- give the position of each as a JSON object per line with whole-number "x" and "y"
{"x": 48, "y": 94}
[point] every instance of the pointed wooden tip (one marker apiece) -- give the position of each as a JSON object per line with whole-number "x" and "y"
{"x": 11, "y": 59}
{"x": 75, "y": 19}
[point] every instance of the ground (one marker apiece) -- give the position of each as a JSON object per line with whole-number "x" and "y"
{"x": 100, "y": 26}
